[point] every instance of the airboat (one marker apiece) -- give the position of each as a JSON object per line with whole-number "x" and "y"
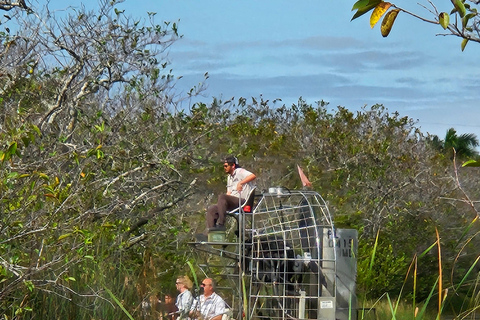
{"x": 281, "y": 258}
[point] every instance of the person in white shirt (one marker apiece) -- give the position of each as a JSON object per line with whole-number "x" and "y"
{"x": 209, "y": 306}
{"x": 239, "y": 184}
{"x": 184, "y": 300}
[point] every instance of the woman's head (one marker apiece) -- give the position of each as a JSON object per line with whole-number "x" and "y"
{"x": 184, "y": 282}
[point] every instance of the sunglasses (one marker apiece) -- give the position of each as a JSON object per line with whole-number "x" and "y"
{"x": 204, "y": 284}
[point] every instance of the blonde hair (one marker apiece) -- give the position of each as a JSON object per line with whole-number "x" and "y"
{"x": 185, "y": 280}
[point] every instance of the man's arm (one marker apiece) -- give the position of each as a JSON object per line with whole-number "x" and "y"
{"x": 245, "y": 180}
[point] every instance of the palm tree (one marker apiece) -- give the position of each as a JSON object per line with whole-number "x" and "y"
{"x": 464, "y": 145}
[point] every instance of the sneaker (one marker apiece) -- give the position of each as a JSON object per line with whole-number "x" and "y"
{"x": 218, "y": 227}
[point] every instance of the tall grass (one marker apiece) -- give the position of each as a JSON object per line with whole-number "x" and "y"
{"x": 402, "y": 308}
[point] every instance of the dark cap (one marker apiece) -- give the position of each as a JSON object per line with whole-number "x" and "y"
{"x": 231, "y": 160}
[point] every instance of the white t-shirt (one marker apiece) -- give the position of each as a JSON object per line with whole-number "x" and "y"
{"x": 232, "y": 181}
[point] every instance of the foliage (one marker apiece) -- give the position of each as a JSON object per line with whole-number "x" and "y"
{"x": 85, "y": 165}
{"x": 462, "y": 20}
{"x": 460, "y": 146}
{"x": 105, "y": 176}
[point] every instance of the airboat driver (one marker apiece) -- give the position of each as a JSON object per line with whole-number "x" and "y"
{"x": 209, "y": 306}
{"x": 239, "y": 184}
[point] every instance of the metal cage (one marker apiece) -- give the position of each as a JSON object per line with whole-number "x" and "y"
{"x": 285, "y": 260}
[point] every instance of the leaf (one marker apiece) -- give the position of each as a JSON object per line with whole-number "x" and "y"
{"x": 471, "y": 163}
{"x": 464, "y": 43}
{"x": 12, "y": 175}
{"x": 37, "y": 130}
{"x": 12, "y": 149}
{"x": 29, "y": 284}
{"x": 108, "y": 225}
{"x": 43, "y": 175}
{"x": 26, "y": 141}
{"x": 118, "y": 303}
{"x": 388, "y": 21}
{"x": 460, "y": 6}
{"x": 444, "y": 20}
{"x": 466, "y": 18}
{"x": 63, "y": 236}
{"x": 378, "y": 12}
{"x": 364, "y": 7}
{"x": 359, "y": 4}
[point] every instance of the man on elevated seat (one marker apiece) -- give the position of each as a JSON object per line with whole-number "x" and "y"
{"x": 239, "y": 184}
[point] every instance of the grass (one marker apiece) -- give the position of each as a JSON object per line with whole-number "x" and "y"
{"x": 382, "y": 309}
{"x": 434, "y": 306}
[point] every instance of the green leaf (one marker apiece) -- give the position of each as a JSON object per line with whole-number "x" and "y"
{"x": 464, "y": 43}
{"x": 26, "y": 141}
{"x": 471, "y": 163}
{"x": 29, "y": 284}
{"x": 359, "y": 4}
{"x": 460, "y": 6}
{"x": 12, "y": 149}
{"x": 119, "y": 303}
{"x": 364, "y": 7}
{"x": 37, "y": 130}
{"x": 444, "y": 20}
{"x": 467, "y": 18}
{"x": 12, "y": 175}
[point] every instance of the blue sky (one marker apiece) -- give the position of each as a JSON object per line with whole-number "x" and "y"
{"x": 287, "y": 49}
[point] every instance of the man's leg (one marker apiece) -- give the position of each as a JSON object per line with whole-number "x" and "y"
{"x": 225, "y": 203}
{"x": 212, "y": 216}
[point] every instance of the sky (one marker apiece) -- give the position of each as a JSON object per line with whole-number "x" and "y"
{"x": 312, "y": 49}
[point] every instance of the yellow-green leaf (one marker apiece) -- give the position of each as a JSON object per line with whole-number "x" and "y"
{"x": 388, "y": 21}
{"x": 444, "y": 20}
{"x": 460, "y": 6}
{"x": 43, "y": 175}
{"x": 471, "y": 163}
{"x": 378, "y": 12}
{"x": 63, "y": 236}
{"x": 464, "y": 43}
